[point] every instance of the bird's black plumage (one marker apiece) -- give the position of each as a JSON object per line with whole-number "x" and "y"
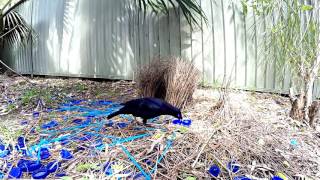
{"x": 147, "y": 108}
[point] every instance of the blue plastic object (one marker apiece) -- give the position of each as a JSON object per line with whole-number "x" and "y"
{"x": 276, "y": 178}
{"x": 233, "y": 167}
{"x": 44, "y": 153}
{"x": 176, "y": 121}
{"x": 65, "y": 154}
{"x": 53, "y": 166}
{"x": 28, "y": 165}
{"x": 107, "y": 169}
{"x": 241, "y": 178}
{"x": 122, "y": 125}
{"x": 186, "y": 122}
{"x": 109, "y": 124}
{"x": 61, "y": 174}
{"x": 214, "y": 170}
{"x": 24, "y": 122}
{"x": 40, "y": 174}
{"x": 2, "y": 147}
{"x": 77, "y": 121}
{"x": 15, "y": 173}
{"x": 36, "y": 114}
{"x": 21, "y": 142}
{"x": 50, "y": 124}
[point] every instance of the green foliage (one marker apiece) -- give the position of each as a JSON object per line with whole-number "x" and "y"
{"x": 190, "y": 8}
{"x": 291, "y": 35}
{"x": 33, "y": 94}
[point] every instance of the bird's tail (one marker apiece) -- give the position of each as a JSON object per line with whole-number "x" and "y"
{"x": 113, "y": 114}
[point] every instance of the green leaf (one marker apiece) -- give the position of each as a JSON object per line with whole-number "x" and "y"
{"x": 306, "y": 7}
{"x": 244, "y": 7}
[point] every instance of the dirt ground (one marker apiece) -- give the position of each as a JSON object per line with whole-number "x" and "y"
{"x": 252, "y": 128}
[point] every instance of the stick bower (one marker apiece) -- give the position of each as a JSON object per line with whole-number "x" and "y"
{"x": 172, "y": 79}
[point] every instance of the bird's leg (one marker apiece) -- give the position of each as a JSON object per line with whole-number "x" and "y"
{"x": 144, "y": 121}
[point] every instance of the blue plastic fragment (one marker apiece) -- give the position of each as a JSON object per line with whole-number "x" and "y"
{"x": 276, "y": 178}
{"x": 137, "y": 176}
{"x": 294, "y": 142}
{"x": 53, "y": 166}
{"x": 107, "y": 169}
{"x": 75, "y": 102}
{"x": 241, "y": 178}
{"x": 233, "y": 167}
{"x": 176, "y": 121}
{"x": 4, "y": 153}
{"x": 65, "y": 154}
{"x": 214, "y": 170}
{"x": 148, "y": 162}
{"x": 49, "y": 110}
{"x": 109, "y": 124}
{"x": 24, "y": 122}
{"x": 77, "y": 121}
{"x": 40, "y": 174}
{"x": 28, "y": 165}
{"x": 35, "y": 114}
{"x": 61, "y": 174}
{"x": 15, "y": 173}
{"x": 1, "y": 175}
{"x": 122, "y": 125}
{"x": 44, "y": 153}
{"x": 21, "y": 142}
{"x": 186, "y": 122}
{"x": 50, "y": 124}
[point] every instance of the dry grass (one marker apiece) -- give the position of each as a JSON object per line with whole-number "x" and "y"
{"x": 172, "y": 79}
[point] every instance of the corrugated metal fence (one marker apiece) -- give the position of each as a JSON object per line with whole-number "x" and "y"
{"x": 110, "y": 38}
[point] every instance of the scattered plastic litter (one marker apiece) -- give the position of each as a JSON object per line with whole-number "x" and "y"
{"x": 80, "y": 125}
{"x": 183, "y": 122}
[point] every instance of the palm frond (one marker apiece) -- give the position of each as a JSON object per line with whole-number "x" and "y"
{"x": 15, "y": 29}
{"x": 191, "y": 10}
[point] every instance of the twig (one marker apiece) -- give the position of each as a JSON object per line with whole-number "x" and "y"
{"x": 16, "y": 72}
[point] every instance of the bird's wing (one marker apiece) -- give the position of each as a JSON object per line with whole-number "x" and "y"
{"x": 148, "y": 105}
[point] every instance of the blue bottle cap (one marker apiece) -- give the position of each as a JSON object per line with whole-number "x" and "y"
{"x": 44, "y": 153}
{"x": 241, "y": 178}
{"x": 186, "y": 122}
{"x": 15, "y": 173}
{"x": 40, "y": 174}
{"x": 214, "y": 170}
{"x": 53, "y": 166}
{"x": 176, "y": 121}
{"x": 233, "y": 167}
{"x": 65, "y": 154}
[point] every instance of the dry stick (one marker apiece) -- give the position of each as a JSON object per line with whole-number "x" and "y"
{"x": 206, "y": 143}
{"x": 16, "y": 72}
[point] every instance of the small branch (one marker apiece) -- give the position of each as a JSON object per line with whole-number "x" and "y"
{"x": 16, "y": 72}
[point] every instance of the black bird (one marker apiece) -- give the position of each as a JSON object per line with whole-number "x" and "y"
{"x": 147, "y": 108}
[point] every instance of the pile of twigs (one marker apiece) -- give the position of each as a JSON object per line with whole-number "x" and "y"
{"x": 172, "y": 79}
